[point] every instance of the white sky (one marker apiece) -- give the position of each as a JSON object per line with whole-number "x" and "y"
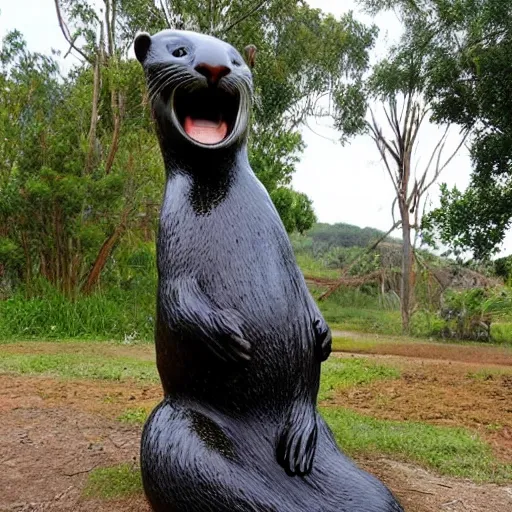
{"x": 347, "y": 184}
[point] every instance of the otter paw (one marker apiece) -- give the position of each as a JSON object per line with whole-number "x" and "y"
{"x": 323, "y": 338}
{"x": 297, "y": 446}
{"x": 231, "y": 348}
{"x": 227, "y": 340}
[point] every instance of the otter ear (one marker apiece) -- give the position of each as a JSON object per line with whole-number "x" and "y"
{"x": 142, "y": 44}
{"x": 250, "y": 55}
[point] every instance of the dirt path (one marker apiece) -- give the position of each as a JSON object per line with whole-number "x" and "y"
{"x": 389, "y": 345}
{"x": 53, "y": 432}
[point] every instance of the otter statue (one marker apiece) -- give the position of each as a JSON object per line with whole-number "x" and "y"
{"x": 239, "y": 339}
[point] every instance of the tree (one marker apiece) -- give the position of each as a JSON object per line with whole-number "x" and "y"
{"x": 398, "y": 83}
{"x": 468, "y": 44}
{"x": 63, "y": 206}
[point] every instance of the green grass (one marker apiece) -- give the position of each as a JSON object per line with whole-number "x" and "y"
{"x": 501, "y": 332}
{"x": 450, "y": 451}
{"x": 115, "y": 315}
{"x": 340, "y": 373}
{"x": 311, "y": 266}
{"x": 78, "y": 366}
{"x": 134, "y": 416}
{"x": 362, "y": 320}
{"x": 353, "y": 344}
{"x": 114, "y": 482}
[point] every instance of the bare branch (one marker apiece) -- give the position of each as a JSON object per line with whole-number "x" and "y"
{"x": 65, "y": 31}
{"x": 377, "y": 137}
{"x": 380, "y": 136}
{"x": 393, "y": 206}
{"x": 382, "y": 152}
{"x": 434, "y": 152}
{"x": 440, "y": 169}
{"x": 242, "y": 18}
{"x": 391, "y": 121}
{"x": 166, "y": 15}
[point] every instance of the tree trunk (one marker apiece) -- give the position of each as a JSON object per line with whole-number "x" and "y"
{"x": 103, "y": 255}
{"x": 101, "y": 260}
{"x": 407, "y": 282}
{"x": 95, "y": 107}
{"x": 118, "y": 110}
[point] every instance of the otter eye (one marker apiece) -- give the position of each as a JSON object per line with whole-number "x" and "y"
{"x": 179, "y": 52}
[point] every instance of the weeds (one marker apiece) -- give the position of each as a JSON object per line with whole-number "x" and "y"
{"x": 114, "y": 482}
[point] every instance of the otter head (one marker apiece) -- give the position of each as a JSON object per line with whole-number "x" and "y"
{"x": 200, "y": 89}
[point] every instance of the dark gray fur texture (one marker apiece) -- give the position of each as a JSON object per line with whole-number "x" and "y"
{"x": 239, "y": 338}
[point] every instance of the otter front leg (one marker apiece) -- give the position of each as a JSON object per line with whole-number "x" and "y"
{"x": 323, "y": 338}
{"x": 190, "y": 308}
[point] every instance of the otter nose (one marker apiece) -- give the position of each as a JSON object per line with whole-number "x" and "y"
{"x": 213, "y": 73}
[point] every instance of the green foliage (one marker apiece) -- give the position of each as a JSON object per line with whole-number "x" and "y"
{"x": 450, "y": 451}
{"x": 295, "y": 209}
{"x": 501, "y": 332}
{"x": 340, "y": 373}
{"x": 114, "y": 482}
{"x": 503, "y": 269}
{"x": 59, "y": 201}
{"x": 469, "y": 314}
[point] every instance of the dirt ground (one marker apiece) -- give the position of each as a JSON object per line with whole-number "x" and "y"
{"x": 53, "y": 432}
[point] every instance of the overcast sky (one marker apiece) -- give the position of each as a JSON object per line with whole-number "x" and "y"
{"x": 347, "y": 184}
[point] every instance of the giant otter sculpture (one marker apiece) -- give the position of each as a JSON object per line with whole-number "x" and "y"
{"x": 239, "y": 339}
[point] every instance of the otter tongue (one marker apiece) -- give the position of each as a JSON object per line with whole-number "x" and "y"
{"x": 205, "y": 130}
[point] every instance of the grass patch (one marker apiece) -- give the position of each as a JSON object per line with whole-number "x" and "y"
{"x": 501, "y": 332}
{"x": 450, "y": 451}
{"x": 353, "y": 344}
{"x": 114, "y": 482}
{"x": 134, "y": 416}
{"x": 115, "y": 314}
{"x": 362, "y": 320}
{"x": 483, "y": 375}
{"x": 311, "y": 266}
{"x": 340, "y": 373}
{"x": 78, "y": 366}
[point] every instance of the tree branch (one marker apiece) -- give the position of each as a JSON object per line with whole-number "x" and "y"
{"x": 369, "y": 249}
{"x": 242, "y": 18}
{"x": 166, "y": 16}
{"x": 67, "y": 35}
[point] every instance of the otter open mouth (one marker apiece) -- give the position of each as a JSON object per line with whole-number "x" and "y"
{"x": 208, "y": 116}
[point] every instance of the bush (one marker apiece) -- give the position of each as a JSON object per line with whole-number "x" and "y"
{"x": 469, "y": 314}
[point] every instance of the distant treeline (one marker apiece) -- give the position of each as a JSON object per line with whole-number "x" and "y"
{"x": 322, "y": 237}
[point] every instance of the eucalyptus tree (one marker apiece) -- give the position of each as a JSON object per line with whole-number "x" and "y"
{"x": 468, "y": 47}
